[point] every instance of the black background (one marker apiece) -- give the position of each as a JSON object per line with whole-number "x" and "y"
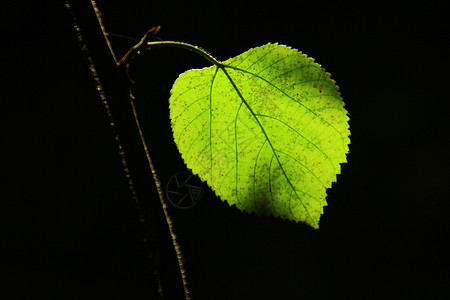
{"x": 70, "y": 226}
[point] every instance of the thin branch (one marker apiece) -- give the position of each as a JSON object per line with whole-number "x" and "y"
{"x": 131, "y": 54}
{"x": 163, "y": 202}
{"x": 102, "y": 95}
{"x": 138, "y": 47}
{"x": 98, "y": 14}
{"x": 127, "y": 60}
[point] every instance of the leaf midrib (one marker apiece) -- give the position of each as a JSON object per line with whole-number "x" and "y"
{"x": 284, "y": 93}
{"x": 222, "y": 67}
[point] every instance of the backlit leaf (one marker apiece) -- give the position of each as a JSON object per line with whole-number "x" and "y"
{"x": 267, "y": 130}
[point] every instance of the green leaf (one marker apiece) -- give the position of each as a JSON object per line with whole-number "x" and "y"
{"x": 267, "y": 130}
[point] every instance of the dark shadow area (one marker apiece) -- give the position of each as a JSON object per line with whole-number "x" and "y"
{"x": 70, "y": 228}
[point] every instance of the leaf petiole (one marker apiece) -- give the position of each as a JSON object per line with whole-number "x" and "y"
{"x": 195, "y": 49}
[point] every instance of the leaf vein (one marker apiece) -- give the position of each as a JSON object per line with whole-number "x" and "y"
{"x": 184, "y": 129}
{"x": 302, "y": 136}
{"x": 265, "y": 134}
{"x": 210, "y": 124}
{"x": 284, "y": 93}
{"x": 190, "y": 89}
{"x": 254, "y": 171}
{"x": 260, "y": 58}
{"x": 237, "y": 154}
{"x": 305, "y": 167}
